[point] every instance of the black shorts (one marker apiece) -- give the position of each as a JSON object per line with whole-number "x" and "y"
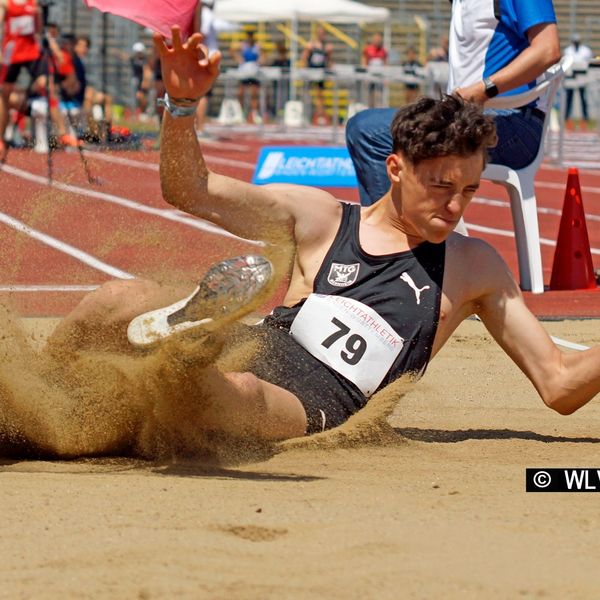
{"x": 328, "y": 398}
{"x": 250, "y": 81}
{"x": 35, "y": 68}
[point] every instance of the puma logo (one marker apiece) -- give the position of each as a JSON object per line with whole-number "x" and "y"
{"x": 408, "y": 279}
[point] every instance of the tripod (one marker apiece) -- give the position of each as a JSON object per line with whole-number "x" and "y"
{"x": 50, "y": 68}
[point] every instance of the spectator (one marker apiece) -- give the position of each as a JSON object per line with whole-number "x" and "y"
{"x": 576, "y": 81}
{"x": 59, "y": 69}
{"x": 249, "y": 57}
{"x": 436, "y": 69}
{"x": 72, "y": 89}
{"x": 413, "y": 70}
{"x": 93, "y": 100}
{"x": 282, "y": 55}
{"x": 374, "y": 55}
{"x": 82, "y": 49}
{"x": 477, "y": 74}
{"x": 205, "y": 24}
{"x": 140, "y": 78}
{"x": 69, "y": 43}
{"x": 318, "y": 54}
{"x": 20, "y": 21}
{"x": 159, "y": 86}
{"x": 439, "y": 53}
{"x": 280, "y": 87}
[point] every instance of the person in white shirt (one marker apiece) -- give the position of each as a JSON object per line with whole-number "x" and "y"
{"x": 582, "y": 55}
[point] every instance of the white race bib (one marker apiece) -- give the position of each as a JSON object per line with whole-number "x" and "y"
{"x": 349, "y": 337}
{"x": 24, "y": 25}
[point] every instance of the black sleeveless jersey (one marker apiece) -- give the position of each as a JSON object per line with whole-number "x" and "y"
{"x": 404, "y": 288}
{"x": 317, "y": 58}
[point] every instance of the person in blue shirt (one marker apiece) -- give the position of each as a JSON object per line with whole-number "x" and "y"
{"x": 249, "y": 58}
{"x": 496, "y": 47}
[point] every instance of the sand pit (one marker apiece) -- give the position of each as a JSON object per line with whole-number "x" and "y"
{"x": 434, "y": 509}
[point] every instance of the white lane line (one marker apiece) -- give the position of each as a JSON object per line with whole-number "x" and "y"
{"x": 48, "y": 288}
{"x": 225, "y": 145}
{"x": 583, "y": 165}
{"x": 75, "y": 253}
{"x": 507, "y": 233}
{"x": 169, "y": 214}
{"x": 540, "y": 209}
{"x": 131, "y": 162}
{"x": 587, "y": 189}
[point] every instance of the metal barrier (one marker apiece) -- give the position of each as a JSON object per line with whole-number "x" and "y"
{"x": 353, "y": 81}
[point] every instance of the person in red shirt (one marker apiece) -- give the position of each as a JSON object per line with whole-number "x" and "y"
{"x": 20, "y": 21}
{"x": 374, "y": 55}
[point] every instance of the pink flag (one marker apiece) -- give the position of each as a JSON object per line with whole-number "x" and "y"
{"x": 158, "y": 15}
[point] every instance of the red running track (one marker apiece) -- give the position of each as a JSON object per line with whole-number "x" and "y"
{"x": 58, "y": 242}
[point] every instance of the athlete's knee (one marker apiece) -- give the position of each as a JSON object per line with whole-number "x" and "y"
{"x": 114, "y": 300}
{"x": 354, "y": 128}
{"x": 249, "y": 384}
{"x": 363, "y": 123}
{"x": 368, "y": 136}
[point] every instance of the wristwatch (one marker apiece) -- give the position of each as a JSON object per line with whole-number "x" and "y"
{"x": 491, "y": 89}
{"x": 186, "y": 109}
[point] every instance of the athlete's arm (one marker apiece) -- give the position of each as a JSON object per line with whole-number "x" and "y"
{"x": 564, "y": 381}
{"x": 256, "y": 212}
{"x": 328, "y": 56}
{"x": 364, "y": 60}
{"x": 2, "y": 15}
{"x": 543, "y": 51}
{"x": 261, "y": 56}
{"x": 305, "y": 55}
{"x": 39, "y": 20}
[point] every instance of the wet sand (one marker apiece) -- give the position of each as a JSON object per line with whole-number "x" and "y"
{"x": 437, "y": 509}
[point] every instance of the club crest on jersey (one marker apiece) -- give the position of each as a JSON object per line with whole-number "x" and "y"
{"x": 343, "y": 275}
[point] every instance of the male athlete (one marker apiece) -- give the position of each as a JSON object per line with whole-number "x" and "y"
{"x": 374, "y": 292}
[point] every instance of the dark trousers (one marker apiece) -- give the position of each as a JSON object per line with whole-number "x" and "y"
{"x": 583, "y": 99}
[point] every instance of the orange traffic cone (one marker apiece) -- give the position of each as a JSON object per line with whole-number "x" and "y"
{"x": 573, "y": 268}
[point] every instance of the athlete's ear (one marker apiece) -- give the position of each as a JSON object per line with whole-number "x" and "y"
{"x": 395, "y": 165}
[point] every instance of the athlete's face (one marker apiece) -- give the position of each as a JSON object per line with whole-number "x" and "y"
{"x": 433, "y": 195}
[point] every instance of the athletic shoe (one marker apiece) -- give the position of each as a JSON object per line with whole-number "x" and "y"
{"x": 226, "y": 293}
{"x": 69, "y": 141}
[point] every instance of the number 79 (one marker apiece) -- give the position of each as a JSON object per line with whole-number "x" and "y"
{"x": 355, "y": 346}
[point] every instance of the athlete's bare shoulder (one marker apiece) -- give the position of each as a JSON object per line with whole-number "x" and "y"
{"x": 474, "y": 268}
{"x": 311, "y": 207}
{"x": 316, "y": 214}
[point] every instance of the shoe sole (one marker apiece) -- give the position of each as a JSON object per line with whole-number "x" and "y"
{"x": 226, "y": 293}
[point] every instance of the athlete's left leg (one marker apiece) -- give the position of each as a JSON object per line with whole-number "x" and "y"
{"x": 229, "y": 290}
{"x": 100, "y": 320}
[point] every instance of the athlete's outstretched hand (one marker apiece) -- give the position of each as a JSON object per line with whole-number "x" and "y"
{"x": 187, "y": 70}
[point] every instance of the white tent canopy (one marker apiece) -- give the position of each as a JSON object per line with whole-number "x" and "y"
{"x": 332, "y": 11}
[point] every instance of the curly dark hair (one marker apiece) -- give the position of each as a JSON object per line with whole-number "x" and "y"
{"x": 444, "y": 126}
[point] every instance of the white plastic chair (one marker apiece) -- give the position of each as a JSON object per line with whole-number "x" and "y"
{"x": 520, "y": 183}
